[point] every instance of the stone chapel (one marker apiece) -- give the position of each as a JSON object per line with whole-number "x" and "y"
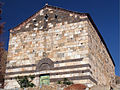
{"x": 56, "y": 43}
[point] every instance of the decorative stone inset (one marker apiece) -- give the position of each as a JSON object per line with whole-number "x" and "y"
{"x": 45, "y": 64}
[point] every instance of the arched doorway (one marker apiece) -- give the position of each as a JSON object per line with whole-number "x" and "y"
{"x": 45, "y": 64}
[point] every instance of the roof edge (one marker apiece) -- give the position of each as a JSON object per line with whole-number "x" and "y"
{"x": 46, "y": 6}
{"x": 26, "y": 20}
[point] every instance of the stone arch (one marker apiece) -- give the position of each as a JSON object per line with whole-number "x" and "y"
{"x": 45, "y": 64}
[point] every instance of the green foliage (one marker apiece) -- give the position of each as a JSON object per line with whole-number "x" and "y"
{"x": 65, "y": 81}
{"x": 25, "y": 81}
{"x": 59, "y": 82}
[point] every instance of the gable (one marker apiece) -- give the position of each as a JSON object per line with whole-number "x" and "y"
{"x": 54, "y": 15}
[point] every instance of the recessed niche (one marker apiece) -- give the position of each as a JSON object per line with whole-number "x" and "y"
{"x": 34, "y": 20}
{"x": 46, "y": 16}
{"x": 71, "y": 38}
{"x": 56, "y": 16}
{"x": 33, "y": 50}
{"x": 33, "y": 38}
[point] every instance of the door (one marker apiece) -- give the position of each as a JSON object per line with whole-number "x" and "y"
{"x": 44, "y": 79}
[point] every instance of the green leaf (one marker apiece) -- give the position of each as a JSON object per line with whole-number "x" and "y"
{"x": 24, "y": 81}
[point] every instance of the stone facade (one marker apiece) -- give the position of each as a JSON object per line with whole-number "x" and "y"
{"x": 61, "y": 43}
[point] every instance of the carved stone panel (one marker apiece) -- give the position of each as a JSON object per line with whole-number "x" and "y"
{"x": 45, "y": 64}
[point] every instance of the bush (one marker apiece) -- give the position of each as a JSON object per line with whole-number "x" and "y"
{"x": 65, "y": 81}
{"x": 25, "y": 81}
{"x": 59, "y": 82}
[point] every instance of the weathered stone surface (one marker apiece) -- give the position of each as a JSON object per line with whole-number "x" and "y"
{"x": 100, "y": 87}
{"x": 102, "y": 65}
{"x": 68, "y": 39}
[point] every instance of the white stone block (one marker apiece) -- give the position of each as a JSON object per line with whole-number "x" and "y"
{"x": 34, "y": 19}
{"x": 14, "y": 38}
{"x": 71, "y": 14}
{"x": 80, "y": 26}
{"x": 35, "y": 29}
{"x": 34, "y": 34}
{"x": 40, "y": 54}
{"x": 41, "y": 12}
{"x": 36, "y": 24}
{"x": 27, "y": 26}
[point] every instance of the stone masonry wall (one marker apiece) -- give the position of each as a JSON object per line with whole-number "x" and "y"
{"x": 101, "y": 63}
{"x": 63, "y": 39}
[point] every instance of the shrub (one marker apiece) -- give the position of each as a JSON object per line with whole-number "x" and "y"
{"x": 25, "y": 81}
{"x": 65, "y": 81}
{"x": 59, "y": 82}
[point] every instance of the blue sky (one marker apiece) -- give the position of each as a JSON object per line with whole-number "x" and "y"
{"x": 103, "y": 12}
